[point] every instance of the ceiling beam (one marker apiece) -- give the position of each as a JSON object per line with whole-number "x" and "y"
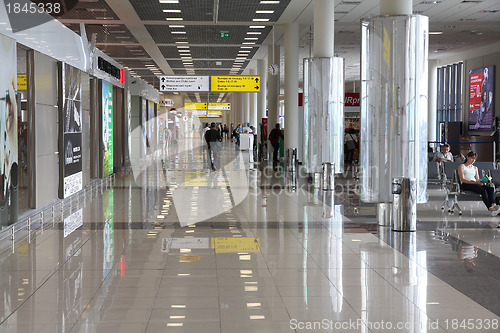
{"x": 128, "y": 17}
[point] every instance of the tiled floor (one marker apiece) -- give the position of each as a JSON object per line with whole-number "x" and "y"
{"x": 179, "y": 248}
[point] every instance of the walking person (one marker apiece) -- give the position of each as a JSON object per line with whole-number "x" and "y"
{"x": 275, "y": 137}
{"x": 213, "y": 139}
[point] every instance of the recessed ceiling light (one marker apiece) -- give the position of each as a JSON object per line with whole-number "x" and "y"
{"x": 182, "y": 47}
{"x": 257, "y": 26}
{"x": 264, "y": 11}
{"x": 176, "y": 26}
{"x": 178, "y": 32}
{"x": 245, "y": 51}
{"x": 247, "y": 47}
{"x": 260, "y": 20}
{"x": 171, "y": 10}
{"x": 251, "y": 38}
{"x": 179, "y": 42}
{"x": 247, "y": 43}
{"x": 169, "y": 1}
{"x": 269, "y": 2}
{"x": 435, "y": 32}
{"x": 174, "y": 19}
{"x": 254, "y": 33}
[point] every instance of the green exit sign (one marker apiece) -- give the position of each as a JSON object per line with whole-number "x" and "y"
{"x": 224, "y": 34}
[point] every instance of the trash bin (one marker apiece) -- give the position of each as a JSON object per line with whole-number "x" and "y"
{"x": 404, "y": 206}
{"x": 328, "y": 176}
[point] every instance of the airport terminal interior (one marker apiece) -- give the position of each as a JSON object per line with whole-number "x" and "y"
{"x": 249, "y": 166}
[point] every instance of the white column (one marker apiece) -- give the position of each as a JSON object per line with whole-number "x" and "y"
{"x": 396, "y": 7}
{"x": 273, "y": 89}
{"x": 246, "y": 101}
{"x": 292, "y": 86}
{"x": 431, "y": 100}
{"x": 253, "y": 104}
{"x": 323, "y": 28}
{"x": 261, "y": 96}
{"x": 243, "y": 108}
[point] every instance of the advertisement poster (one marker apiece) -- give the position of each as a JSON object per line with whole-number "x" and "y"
{"x": 8, "y": 132}
{"x": 481, "y": 113}
{"x": 72, "y": 130}
{"x": 107, "y": 128}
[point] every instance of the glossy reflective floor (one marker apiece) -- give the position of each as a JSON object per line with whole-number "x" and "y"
{"x": 174, "y": 247}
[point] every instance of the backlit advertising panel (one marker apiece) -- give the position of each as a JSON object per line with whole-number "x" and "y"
{"x": 71, "y": 121}
{"x": 8, "y": 132}
{"x": 107, "y": 128}
{"x": 481, "y": 99}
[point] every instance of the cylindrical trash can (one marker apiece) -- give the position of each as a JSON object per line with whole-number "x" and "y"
{"x": 404, "y": 206}
{"x": 328, "y": 176}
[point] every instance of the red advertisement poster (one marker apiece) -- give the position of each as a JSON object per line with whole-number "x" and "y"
{"x": 264, "y": 129}
{"x": 351, "y": 99}
{"x": 481, "y": 99}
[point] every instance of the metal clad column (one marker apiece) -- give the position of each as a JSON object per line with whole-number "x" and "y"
{"x": 273, "y": 89}
{"x": 292, "y": 86}
{"x": 323, "y": 96}
{"x": 261, "y": 96}
{"x": 394, "y": 104}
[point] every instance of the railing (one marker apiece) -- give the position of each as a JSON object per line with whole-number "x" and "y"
{"x": 47, "y": 217}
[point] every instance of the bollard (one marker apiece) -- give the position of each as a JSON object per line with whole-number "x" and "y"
{"x": 328, "y": 176}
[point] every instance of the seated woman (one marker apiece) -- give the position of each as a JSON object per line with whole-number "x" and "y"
{"x": 469, "y": 177}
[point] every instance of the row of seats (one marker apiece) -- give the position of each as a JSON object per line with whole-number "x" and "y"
{"x": 446, "y": 174}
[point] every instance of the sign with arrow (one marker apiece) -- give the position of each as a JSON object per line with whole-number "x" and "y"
{"x": 235, "y": 83}
{"x": 184, "y": 83}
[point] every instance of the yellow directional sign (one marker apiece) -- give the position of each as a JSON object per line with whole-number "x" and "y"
{"x": 219, "y": 106}
{"x": 195, "y": 106}
{"x": 235, "y": 83}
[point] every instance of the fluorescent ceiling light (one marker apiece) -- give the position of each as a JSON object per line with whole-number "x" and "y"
{"x": 435, "y": 32}
{"x": 254, "y": 33}
{"x": 179, "y": 42}
{"x": 171, "y": 10}
{"x": 182, "y": 47}
{"x": 247, "y": 47}
{"x": 257, "y": 26}
{"x": 178, "y": 32}
{"x": 176, "y": 26}
{"x": 169, "y": 1}
{"x": 174, "y": 19}
{"x": 247, "y": 43}
{"x": 260, "y": 20}
{"x": 245, "y": 51}
{"x": 251, "y": 38}
{"x": 264, "y": 11}
{"x": 265, "y": 2}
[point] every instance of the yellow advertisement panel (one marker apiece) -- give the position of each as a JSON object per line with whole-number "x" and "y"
{"x": 235, "y": 83}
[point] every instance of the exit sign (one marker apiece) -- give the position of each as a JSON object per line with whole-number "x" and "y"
{"x": 224, "y": 34}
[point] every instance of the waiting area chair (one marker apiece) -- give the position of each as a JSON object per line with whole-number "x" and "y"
{"x": 453, "y": 184}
